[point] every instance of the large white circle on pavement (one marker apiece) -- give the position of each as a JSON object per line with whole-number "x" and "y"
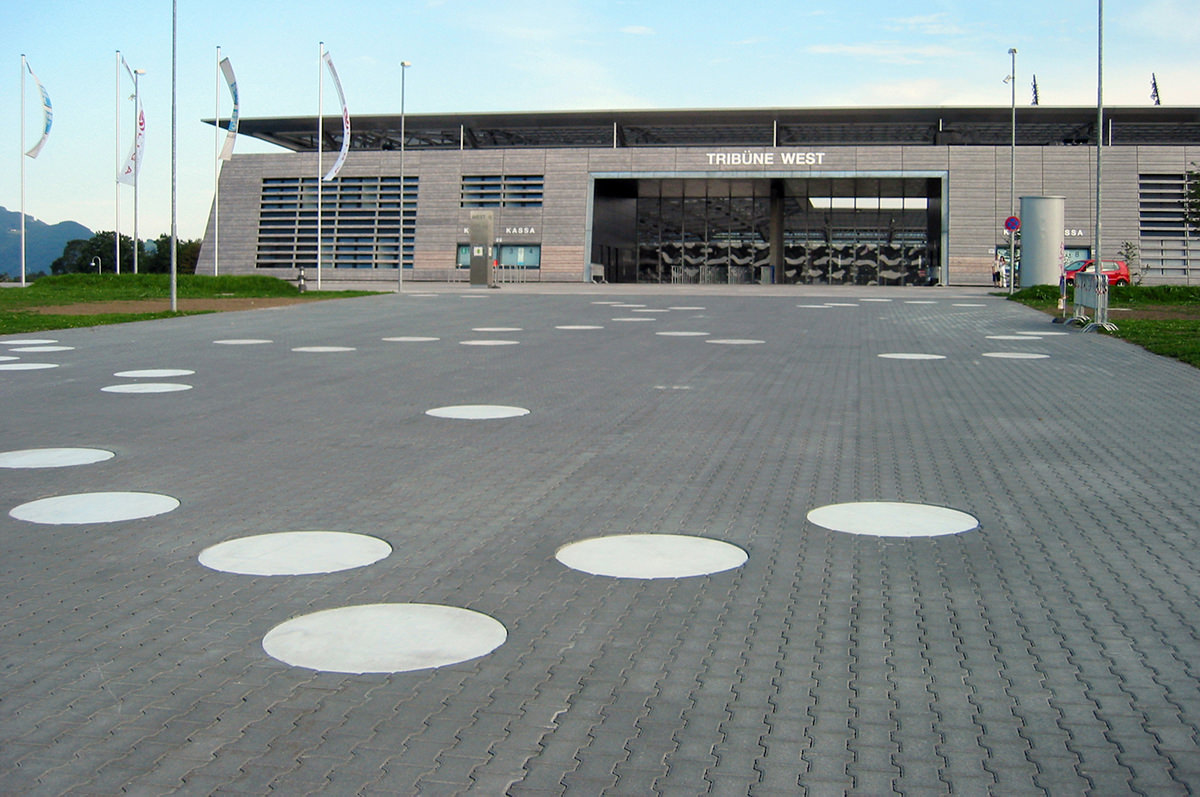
{"x": 626, "y": 304}
{"x": 627, "y": 318}
{"x": 294, "y": 553}
{"x": 411, "y": 339}
{"x": 147, "y": 387}
{"x": 579, "y": 326}
{"x": 960, "y": 304}
{"x": 322, "y": 349}
{"x": 477, "y": 412}
{"x": 496, "y": 329}
{"x": 1015, "y": 355}
{"x": 94, "y": 508}
{"x": 892, "y": 519}
{"x": 384, "y": 637}
{"x": 736, "y": 341}
{"x": 687, "y": 307}
{"x": 52, "y": 457}
{"x": 682, "y": 334}
{"x": 242, "y": 341}
{"x": 41, "y": 349}
{"x": 8, "y": 357}
{"x": 26, "y": 366}
{"x": 154, "y": 373}
{"x": 874, "y": 300}
{"x": 651, "y": 556}
{"x": 30, "y": 342}
{"x": 920, "y": 301}
{"x": 495, "y": 342}
{"x": 1014, "y": 337}
{"x": 841, "y": 304}
{"x": 913, "y": 355}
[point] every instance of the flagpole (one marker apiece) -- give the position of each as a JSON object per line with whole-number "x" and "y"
{"x": 23, "y": 170}
{"x": 117, "y": 154}
{"x": 217, "y": 166}
{"x": 174, "y": 164}
{"x": 137, "y": 158}
{"x": 320, "y": 147}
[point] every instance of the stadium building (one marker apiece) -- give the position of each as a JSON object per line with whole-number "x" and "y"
{"x": 830, "y": 195}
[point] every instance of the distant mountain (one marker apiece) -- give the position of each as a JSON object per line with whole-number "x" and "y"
{"x": 43, "y": 243}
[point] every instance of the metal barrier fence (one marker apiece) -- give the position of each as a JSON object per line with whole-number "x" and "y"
{"x": 1091, "y": 293}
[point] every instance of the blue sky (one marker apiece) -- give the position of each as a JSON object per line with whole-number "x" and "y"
{"x": 525, "y": 55}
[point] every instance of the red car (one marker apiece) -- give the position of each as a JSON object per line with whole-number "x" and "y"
{"x": 1116, "y": 270}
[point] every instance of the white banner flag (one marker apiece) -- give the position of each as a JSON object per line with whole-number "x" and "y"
{"x": 133, "y": 164}
{"x": 227, "y": 71}
{"x": 337, "y": 166}
{"x": 47, "y": 115}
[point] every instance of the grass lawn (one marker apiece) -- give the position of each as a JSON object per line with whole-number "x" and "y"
{"x": 1164, "y": 319}
{"x": 84, "y": 300}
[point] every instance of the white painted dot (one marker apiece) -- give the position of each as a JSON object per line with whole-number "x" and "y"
{"x": 384, "y": 637}
{"x": 8, "y": 358}
{"x": 815, "y": 306}
{"x": 477, "y": 412}
{"x": 147, "y": 387}
{"x": 1013, "y": 337}
{"x": 633, "y": 319}
{"x": 107, "y": 507}
{"x": 1041, "y": 334}
{"x": 1015, "y": 355}
{"x": 672, "y": 387}
{"x": 322, "y": 349}
{"x": 26, "y": 366}
{"x": 606, "y": 302}
{"x": 687, "y": 307}
{"x": 920, "y": 301}
{"x": 411, "y": 339}
{"x": 651, "y": 556}
{"x": 52, "y": 457}
{"x": 579, "y": 326}
{"x": 682, "y": 334}
{"x": 906, "y": 355}
{"x": 736, "y": 341}
{"x": 623, "y": 304}
{"x": 969, "y": 305}
{"x": 496, "y": 342}
{"x": 841, "y": 304}
{"x": 30, "y": 342}
{"x": 652, "y": 310}
{"x": 874, "y": 300}
{"x": 242, "y": 341}
{"x": 154, "y": 373}
{"x": 42, "y": 349}
{"x": 295, "y": 553}
{"x": 422, "y": 295}
{"x": 892, "y": 519}
{"x": 496, "y": 329}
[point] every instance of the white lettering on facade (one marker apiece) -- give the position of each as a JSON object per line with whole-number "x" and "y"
{"x": 765, "y": 158}
{"x": 520, "y": 231}
{"x": 1069, "y": 233}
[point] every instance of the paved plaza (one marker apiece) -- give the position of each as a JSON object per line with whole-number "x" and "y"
{"x": 816, "y": 631}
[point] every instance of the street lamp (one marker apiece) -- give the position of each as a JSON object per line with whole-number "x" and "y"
{"x": 404, "y": 65}
{"x": 1012, "y": 174}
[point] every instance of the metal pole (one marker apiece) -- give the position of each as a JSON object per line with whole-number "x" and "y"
{"x": 217, "y": 167}
{"x": 320, "y": 136}
{"x": 404, "y": 65}
{"x": 1099, "y": 125}
{"x": 117, "y": 155}
{"x": 174, "y": 154}
{"x": 1012, "y": 179}
{"x": 23, "y": 67}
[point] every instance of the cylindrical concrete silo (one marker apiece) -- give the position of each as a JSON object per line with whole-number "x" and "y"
{"x": 1042, "y": 223}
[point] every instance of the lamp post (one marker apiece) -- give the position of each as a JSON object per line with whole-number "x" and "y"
{"x": 404, "y": 65}
{"x": 1099, "y": 124}
{"x": 1012, "y": 174}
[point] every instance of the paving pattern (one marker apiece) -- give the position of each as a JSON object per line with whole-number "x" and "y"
{"x": 1052, "y": 648}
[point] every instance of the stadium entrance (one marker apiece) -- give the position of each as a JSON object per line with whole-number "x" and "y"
{"x": 835, "y": 230}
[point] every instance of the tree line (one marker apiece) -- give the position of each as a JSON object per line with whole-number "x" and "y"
{"x": 154, "y": 256}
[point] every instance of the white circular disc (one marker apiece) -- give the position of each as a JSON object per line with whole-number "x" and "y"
{"x": 322, "y": 349}
{"x": 651, "y": 556}
{"x": 8, "y": 358}
{"x": 147, "y": 387}
{"x": 625, "y": 304}
{"x": 1015, "y": 355}
{"x": 969, "y": 305}
{"x": 41, "y": 349}
{"x": 580, "y": 326}
{"x": 626, "y": 318}
{"x": 154, "y": 373}
{"x": 496, "y": 329}
{"x": 606, "y": 302}
{"x": 489, "y": 342}
{"x": 736, "y": 341}
{"x": 905, "y": 355}
{"x": 892, "y": 519}
{"x": 920, "y": 301}
{"x": 652, "y": 310}
{"x": 681, "y": 334}
{"x": 477, "y": 412}
{"x": 1013, "y": 337}
{"x": 26, "y": 366}
{"x": 94, "y": 508}
{"x": 242, "y": 341}
{"x": 295, "y": 553}
{"x": 384, "y": 637}
{"x": 874, "y": 300}
{"x": 30, "y": 342}
{"x": 52, "y": 457}
{"x": 815, "y": 306}
{"x": 841, "y": 304}
{"x": 411, "y": 339}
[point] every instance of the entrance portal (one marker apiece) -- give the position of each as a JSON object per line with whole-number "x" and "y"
{"x": 853, "y": 230}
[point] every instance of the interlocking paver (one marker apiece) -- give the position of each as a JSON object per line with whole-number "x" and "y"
{"x": 1052, "y": 649}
